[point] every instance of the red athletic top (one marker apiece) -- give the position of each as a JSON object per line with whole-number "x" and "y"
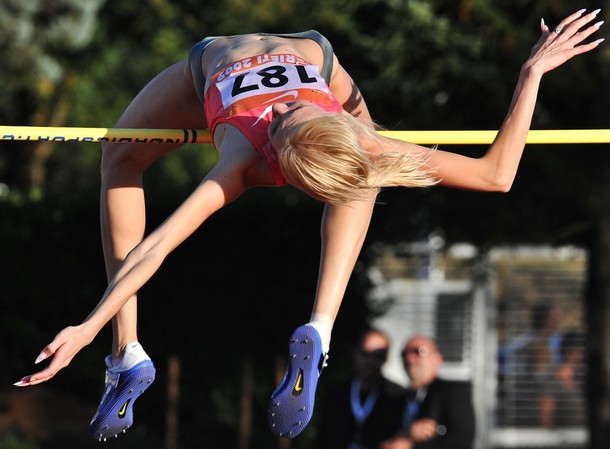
{"x": 243, "y": 93}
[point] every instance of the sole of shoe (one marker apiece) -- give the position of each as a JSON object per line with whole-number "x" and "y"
{"x": 292, "y": 403}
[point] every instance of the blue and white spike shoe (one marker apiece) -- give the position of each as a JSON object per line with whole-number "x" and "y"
{"x": 122, "y": 387}
{"x": 292, "y": 403}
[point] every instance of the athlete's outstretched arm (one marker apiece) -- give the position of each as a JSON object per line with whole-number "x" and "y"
{"x": 223, "y": 184}
{"x": 344, "y": 227}
{"x": 496, "y": 170}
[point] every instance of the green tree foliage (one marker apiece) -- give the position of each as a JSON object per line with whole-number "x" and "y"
{"x": 36, "y": 38}
{"x": 38, "y": 42}
{"x": 10, "y": 441}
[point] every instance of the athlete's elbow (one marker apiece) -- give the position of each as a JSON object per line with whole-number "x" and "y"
{"x": 504, "y": 189}
{"x": 501, "y": 184}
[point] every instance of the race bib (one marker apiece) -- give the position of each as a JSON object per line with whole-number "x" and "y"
{"x": 270, "y": 83}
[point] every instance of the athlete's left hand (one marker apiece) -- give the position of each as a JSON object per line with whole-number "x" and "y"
{"x": 63, "y": 348}
{"x": 561, "y": 44}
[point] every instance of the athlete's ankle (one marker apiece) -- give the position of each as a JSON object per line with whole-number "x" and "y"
{"x": 324, "y": 325}
{"x": 131, "y": 354}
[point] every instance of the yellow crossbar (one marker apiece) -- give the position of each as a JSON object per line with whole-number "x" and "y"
{"x": 181, "y": 136}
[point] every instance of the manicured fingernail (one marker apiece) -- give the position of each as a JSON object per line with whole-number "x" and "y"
{"x": 581, "y": 12}
{"x": 599, "y": 41}
{"x": 598, "y": 24}
{"x": 40, "y": 358}
{"x": 20, "y": 384}
{"x": 596, "y": 12}
{"x": 542, "y": 23}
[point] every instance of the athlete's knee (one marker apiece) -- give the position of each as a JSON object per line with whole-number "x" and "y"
{"x": 125, "y": 158}
{"x": 113, "y": 156}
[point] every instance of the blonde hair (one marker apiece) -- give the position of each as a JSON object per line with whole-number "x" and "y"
{"x": 326, "y": 156}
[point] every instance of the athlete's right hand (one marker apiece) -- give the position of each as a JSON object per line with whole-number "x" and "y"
{"x": 557, "y": 46}
{"x": 63, "y": 348}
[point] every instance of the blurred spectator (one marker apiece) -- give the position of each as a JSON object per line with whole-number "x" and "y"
{"x": 525, "y": 364}
{"x": 562, "y": 400}
{"x": 366, "y": 410}
{"x": 545, "y": 322}
{"x": 437, "y": 413}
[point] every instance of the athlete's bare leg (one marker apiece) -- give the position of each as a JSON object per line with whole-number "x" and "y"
{"x": 168, "y": 101}
{"x": 344, "y": 229}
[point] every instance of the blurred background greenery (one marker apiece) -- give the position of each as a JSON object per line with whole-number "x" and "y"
{"x": 230, "y": 296}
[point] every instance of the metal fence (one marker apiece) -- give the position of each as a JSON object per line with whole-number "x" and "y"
{"x": 499, "y": 319}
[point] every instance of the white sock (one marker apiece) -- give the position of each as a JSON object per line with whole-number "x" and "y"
{"x": 132, "y": 355}
{"x": 324, "y": 325}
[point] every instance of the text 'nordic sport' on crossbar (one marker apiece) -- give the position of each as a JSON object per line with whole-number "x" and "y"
{"x": 185, "y": 136}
